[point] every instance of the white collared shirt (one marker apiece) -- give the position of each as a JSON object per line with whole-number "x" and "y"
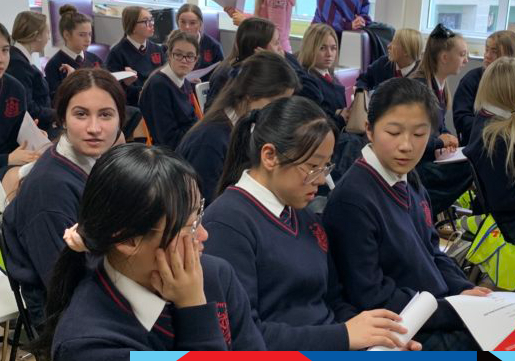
{"x": 136, "y": 44}
{"x": 406, "y": 70}
{"x": 146, "y": 305}
{"x": 231, "y": 114}
{"x": 390, "y": 177}
{"x": 24, "y": 51}
{"x": 71, "y": 53}
{"x": 261, "y": 193}
{"x": 323, "y": 72}
{"x": 167, "y": 70}
{"x": 65, "y": 148}
{"x": 440, "y": 86}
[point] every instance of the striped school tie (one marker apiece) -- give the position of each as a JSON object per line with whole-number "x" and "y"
{"x": 398, "y": 73}
{"x": 328, "y": 78}
{"x": 401, "y": 188}
{"x": 285, "y": 217}
{"x": 79, "y": 60}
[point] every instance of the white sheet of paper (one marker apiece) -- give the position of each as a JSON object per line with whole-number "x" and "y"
{"x": 490, "y": 319}
{"x": 199, "y": 73}
{"x": 414, "y": 315}
{"x": 237, "y": 4}
{"x": 30, "y": 133}
{"x": 448, "y": 157}
{"x": 120, "y": 75}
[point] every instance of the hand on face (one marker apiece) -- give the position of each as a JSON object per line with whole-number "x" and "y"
{"x": 177, "y": 280}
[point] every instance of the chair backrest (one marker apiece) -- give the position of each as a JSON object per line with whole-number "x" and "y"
{"x": 201, "y": 90}
{"x": 211, "y": 26}
{"x": 16, "y": 289}
{"x": 83, "y": 6}
{"x": 360, "y": 58}
{"x": 100, "y": 50}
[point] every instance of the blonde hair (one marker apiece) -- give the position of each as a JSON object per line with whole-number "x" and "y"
{"x": 505, "y": 41}
{"x": 411, "y": 42}
{"x": 28, "y": 25}
{"x": 429, "y": 63}
{"x": 313, "y": 38}
{"x": 497, "y": 88}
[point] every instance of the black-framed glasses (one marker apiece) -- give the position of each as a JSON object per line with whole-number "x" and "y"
{"x": 147, "y": 22}
{"x": 442, "y": 32}
{"x": 189, "y": 58}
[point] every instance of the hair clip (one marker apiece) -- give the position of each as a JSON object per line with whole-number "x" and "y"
{"x": 442, "y": 32}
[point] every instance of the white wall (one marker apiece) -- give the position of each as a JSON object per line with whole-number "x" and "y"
{"x": 10, "y": 8}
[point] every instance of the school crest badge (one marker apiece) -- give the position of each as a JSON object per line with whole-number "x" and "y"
{"x": 208, "y": 56}
{"x": 320, "y": 235}
{"x": 12, "y": 107}
{"x": 223, "y": 320}
{"x": 156, "y": 58}
{"x": 427, "y": 213}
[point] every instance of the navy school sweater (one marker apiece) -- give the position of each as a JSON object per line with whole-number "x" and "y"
{"x": 124, "y": 54}
{"x": 497, "y": 186}
{"x": 205, "y": 148}
{"x": 386, "y": 248}
{"x": 434, "y": 142}
{"x": 289, "y": 278}
{"x": 463, "y": 104}
{"x": 34, "y": 222}
{"x": 36, "y": 88}
{"x": 13, "y": 106}
{"x": 55, "y": 77}
{"x": 333, "y": 97}
{"x": 99, "y": 323}
{"x": 379, "y": 71}
{"x": 221, "y": 76}
{"x": 210, "y": 53}
{"x": 167, "y": 109}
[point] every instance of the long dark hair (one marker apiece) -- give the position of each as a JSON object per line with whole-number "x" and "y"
{"x": 296, "y": 126}
{"x": 130, "y": 189}
{"x": 262, "y": 75}
{"x": 5, "y": 33}
{"x": 403, "y": 91}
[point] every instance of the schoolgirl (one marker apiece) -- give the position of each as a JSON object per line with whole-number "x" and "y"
{"x": 167, "y": 100}
{"x": 500, "y": 43}
{"x": 190, "y": 20}
{"x": 263, "y": 77}
{"x": 277, "y": 159}
{"x": 135, "y": 51}
{"x": 404, "y": 54}
{"x": 491, "y": 143}
{"x": 130, "y": 299}
{"x": 13, "y": 106}
{"x": 30, "y": 33}
{"x": 90, "y": 108}
{"x": 318, "y": 56}
{"x": 445, "y": 55}
{"x": 379, "y": 224}
{"x": 76, "y": 30}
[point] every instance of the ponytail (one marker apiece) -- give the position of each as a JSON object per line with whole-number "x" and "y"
{"x": 69, "y": 270}
{"x": 237, "y": 159}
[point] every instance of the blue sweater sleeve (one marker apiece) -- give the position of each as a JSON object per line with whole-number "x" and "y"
{"x": 463, "y": 109}
{"x": 277, "y": 336}
{"x": 4, "y": 160}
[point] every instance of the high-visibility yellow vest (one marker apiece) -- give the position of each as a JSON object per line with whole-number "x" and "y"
{"x": 494, "y": 254}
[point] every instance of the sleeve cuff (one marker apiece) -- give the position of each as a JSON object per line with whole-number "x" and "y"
{"x": 197, "y": 323}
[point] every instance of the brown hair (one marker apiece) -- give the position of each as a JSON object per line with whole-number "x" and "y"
{"x": 84, "y": 79}
{"x": 189, "y": 8}
{"x": 411, "y": 42}
{"x": 28, "y": 25}
{"x": 70, "y": 18}
{"x": 130, "y": 17}
{"x": 178, "y": 35}
{"x": 5, "y": 33}
{"x": 505, "y": 42}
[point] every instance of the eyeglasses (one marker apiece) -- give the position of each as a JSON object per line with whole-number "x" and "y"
{"x": 313, "y": 174}
{"x": 147, "y": 22}
{"x": 196, "y": 223}
{"x": 189, "y": 58}
{"x": 442, "y": 32}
